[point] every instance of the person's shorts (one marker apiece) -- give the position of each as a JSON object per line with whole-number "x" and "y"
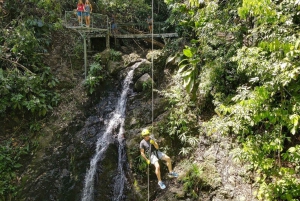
{"x": 154, "y": 158}
{"x": 113, "y": 26}
{"x": 79, "y": 13}
{"x": 87, "y": 14}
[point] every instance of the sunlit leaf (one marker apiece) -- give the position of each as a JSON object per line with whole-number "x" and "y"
{"x": 188, "y": 53}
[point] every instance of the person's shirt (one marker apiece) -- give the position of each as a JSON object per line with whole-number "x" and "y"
{"x": 112, "y": 20}
{"x": 146, "y": 146}
{"x": 80, "y": 7}
{"x": 149, "y": 20}
{"x": 87, "y": 8}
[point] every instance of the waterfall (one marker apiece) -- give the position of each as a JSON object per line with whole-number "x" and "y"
{"x": 115, "y": 122}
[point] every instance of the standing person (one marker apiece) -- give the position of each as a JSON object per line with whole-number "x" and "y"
{"x": 88, "y": 10}
{"x": 151, "y": 147}
{"x": 80, "y": 10}
{"x": 150, "y": 22}
{"x": 113, "y": 25}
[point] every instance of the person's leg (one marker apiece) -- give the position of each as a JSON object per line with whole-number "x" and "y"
{"x": 169, "y": 164}
{"x": 154, "y": 161}
{"x": 168, "y": 161}
{"x": 157, "y": 171}
{"x": 79, "y": 17}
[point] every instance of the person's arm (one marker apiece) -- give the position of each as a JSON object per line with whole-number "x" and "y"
{"x": 154, "y": 144}
{"x": 144, "y": 155}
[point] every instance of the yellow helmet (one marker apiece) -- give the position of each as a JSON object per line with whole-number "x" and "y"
{"x": 145, "y": 132}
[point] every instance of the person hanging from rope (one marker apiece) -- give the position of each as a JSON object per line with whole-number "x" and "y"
{"x": 88, "y": 10}
{"x": 80, "y": 10}
{"x": 150, "y": 22}
{"x": 150, "y": 146}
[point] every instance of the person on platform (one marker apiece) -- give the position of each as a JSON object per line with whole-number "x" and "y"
{"x": 80, "y": 11}
{"x": 149, "y": 148}
{"x": 88, "y": 10}
{"x": 113, "y": 25}
{"x": 149, "y": 22}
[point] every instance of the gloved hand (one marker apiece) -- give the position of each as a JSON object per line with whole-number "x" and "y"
{"x": 152, "y": 142}
{"x": 148, "y": 162}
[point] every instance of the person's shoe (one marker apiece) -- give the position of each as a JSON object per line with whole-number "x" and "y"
{"x": 161, "y": 185}
{"x": 173, "y": 174}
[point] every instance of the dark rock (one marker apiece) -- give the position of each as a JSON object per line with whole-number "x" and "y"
{"x": 142, "y": 81}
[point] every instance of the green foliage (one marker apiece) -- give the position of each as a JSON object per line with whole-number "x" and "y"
{"x": 27, "y": 86}
{"x": 189, "y": 69}
{"x": 9, "y": 163}
{"x": 147, "y": 88}
{"x": 115, "y": 55}
{"x": 27, "y": 92}
{"x": 139, "y": 167}
{"x": 293, "y": 156}
{"x": 134, "y": 11}
{"x": 181, "y": 120}
{"x": 263, "y": 10}
{"x": 96, "y": 74}
{"x": 192, "y": 181}
{"x": 248, "y": 52}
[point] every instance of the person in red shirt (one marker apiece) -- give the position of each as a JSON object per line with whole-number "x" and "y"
{"x": 80, "y": 11}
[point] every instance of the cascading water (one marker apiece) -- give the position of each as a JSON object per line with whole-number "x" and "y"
{"x": 116, "y": 122}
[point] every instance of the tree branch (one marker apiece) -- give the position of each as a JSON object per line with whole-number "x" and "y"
{"x": 18, "y": 64}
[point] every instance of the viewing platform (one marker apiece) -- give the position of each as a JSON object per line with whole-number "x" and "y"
{"x": 100, "y": 27}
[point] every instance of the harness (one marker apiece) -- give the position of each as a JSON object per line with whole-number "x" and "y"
{"x": 153, "y": 150}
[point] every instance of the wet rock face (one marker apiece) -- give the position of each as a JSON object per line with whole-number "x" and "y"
{"x": 106, "y": 174}
{"x": 58, "y": 172}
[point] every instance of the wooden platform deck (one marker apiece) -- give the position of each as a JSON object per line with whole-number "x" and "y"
{"x": 163, "y": 35}
{"x": 101, "y": 33}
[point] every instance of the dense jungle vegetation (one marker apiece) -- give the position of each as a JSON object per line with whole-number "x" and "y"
{"x": 240, "y": 59}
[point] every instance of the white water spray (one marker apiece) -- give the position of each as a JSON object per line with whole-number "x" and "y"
{"x": 117, "y": 120}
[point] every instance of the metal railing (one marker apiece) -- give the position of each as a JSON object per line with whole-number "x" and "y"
{"x": 158, "y": 27}
{"x": 98, "y": 21}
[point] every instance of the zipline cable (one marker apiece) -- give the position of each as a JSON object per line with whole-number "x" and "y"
{"x": 151, "y": 30}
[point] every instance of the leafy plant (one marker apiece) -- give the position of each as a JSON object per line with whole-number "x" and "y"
{"x": 96, "y": 74}
{"x": 115, "y": 55}
{"x": 9, "y": 163}
{"x": 189, "y": 69}
{"x": 181, "y": 123}
{"x": 192, "y": 181}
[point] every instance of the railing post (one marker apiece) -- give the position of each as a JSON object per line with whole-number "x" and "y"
{"x": 85, "y": 55}
{"x": 107, "y": 40}
{"x": 66, "y": 19}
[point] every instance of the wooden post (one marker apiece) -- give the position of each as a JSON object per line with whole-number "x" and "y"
{"x": 89, "y": 45}
{"x": 107, "y": 40}
{"x": 85, "y": 56}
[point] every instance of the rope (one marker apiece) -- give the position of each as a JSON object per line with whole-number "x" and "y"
{"x": 151, "y": 95}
